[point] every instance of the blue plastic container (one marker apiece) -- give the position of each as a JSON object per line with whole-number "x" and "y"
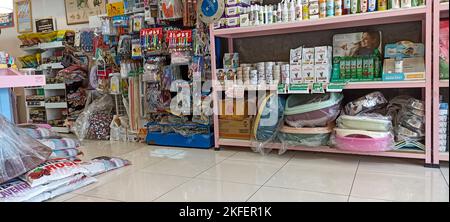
{"x": 202, "y": 141}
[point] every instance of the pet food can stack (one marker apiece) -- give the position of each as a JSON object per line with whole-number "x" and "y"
{"x": 246, "y": 75}
{"x": 443, "y": 127}
{"x": 261, "y": 73}
{"x": 253, "y": 77}
{"x": 268, "y": 68}
{"x": 361, "y": 129}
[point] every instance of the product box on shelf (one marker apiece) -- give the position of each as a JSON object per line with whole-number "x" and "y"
{"x": 308, "y": 56}
{"x": 232, "y": 22}
{"x": 244, "y": 20}
{"x": 322, "y": 73}
{"x": 236, "y": 2}
{"x": 236, "y": 109}
{"x": 296, "y": 56}
{"x": 404, "y": 49}
{"x": 231, "y": 60}
{"x": 357, "y": 44}
{"x": 413, "y": 69}
{"x": 235, "y": 129}
{"x": 323, "y": 55}
{"x": 308, "y": 73}
{"x": 295, "y": 74}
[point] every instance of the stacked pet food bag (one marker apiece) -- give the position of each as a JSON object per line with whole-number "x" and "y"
{"x": 36, "y": 164}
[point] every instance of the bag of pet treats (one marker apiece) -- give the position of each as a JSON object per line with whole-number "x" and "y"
{"x": 71, "y": 186}
{"x": 61, "y": 144}
{"x": 38, "y": 131}
{"x": 103, "y": 164}
{"x": 65, "y": 154}
{"x": 51, "y": 171}
{"x": 19, "y": 190}
{"x": 19, "y": 152}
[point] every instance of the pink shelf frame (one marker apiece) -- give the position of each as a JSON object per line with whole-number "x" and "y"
{"x": 423, "y": 14}
{"x": 441, "y": 10}
{"x": 11, "y": 78}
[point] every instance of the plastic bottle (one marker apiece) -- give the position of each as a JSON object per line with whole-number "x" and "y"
{"x": 261, "y": 15}
{"x": 285, "y": 12}
{"x": 337, "y": 7}
{"x": 363, "y": 6}
{"x": 394, "y": 4}
{"x": 270, "y": 14}
{"x": 382, "y": 5}
{"x": 250, "y": 15}
{"x": 305, "y": 9}
{"x": 313, "y": 9}
{"x": 266, "y": 14}
{"x": 322, "y": 8}
{"x": 354, "y": 6}
{"x": 256, "y": 15}
{"x": 406, "y": 3}
{"x": 292, "y": 11}
{"x": 299, "y": 10}
{"x": 346, "y": 7}
{"x": 372, "y": 5}
{"x": 330, "y": 8}
{"x": 279, "y": 13}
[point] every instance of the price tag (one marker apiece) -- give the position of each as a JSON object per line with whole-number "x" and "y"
{"x": 317, "y": 88}
{"x": 281, "y": 88}
{"x": 299, "y": 88}
{"x": 335, "y": 87}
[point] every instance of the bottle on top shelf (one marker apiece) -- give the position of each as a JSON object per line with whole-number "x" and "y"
{"x": 330, "y": 8}
{"x": 337, "y": 7}
{"x": 346, "y": 5}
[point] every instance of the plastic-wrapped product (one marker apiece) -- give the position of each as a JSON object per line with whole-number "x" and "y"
{"x": 370, "y": 122}
{"x": 51, "y": 171}
{"x": 267, "y": 121}
{"x": 61, "y": 144}
{"x": 19, "y": 190}
{"x": 103, "y": 164}
{"x": 94, "y": 121}
{"x": 364, "y": 141}
{"x": 71, "y": 186}
{"x": 312, "y": 110}
{"x": 39, "y": 131}
{"x": 365, "y": 104}
{"x": 66, "y": 154}
{"x": 312, "y": 137}
{"x": 19, "y": 152}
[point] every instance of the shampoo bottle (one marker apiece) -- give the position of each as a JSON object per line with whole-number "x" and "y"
{"x": 355, "y": 6}
{"x": 330, "y": 8}
{"x": 322, "y": 8}
{"x": 337, "y": 7}
{"x": 346, "y": 7}
{"x": 363, "y": 6}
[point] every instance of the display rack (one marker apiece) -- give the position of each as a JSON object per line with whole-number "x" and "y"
{"x": 422, "y": 14}
{"x": 441, "y": 10}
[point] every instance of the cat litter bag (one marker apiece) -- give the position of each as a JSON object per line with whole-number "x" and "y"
{"x": 312, "y": 110}
{"x": 19, "y": 152}
{"x": 268, "y": 121}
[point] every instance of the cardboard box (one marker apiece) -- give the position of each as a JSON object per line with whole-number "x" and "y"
{"x": 237, "y": 109}
{"x": 232, "y": 11}
{"x": 295, "y": 74}
{"x": 244, "y": 20}
{"x": 232, "y": 22}
{"x": 308, "y": 73}
{"x": 308, "y": 56}
{"x": 296, "y": 56}
{"x": 323, "y": 55}
{"x": 350, "y": 44}
{"x": 404, "y": 50}
{"x": 322, "y": 73}
{"x": 413, "y": 69}
{"x": 236, "y": 129}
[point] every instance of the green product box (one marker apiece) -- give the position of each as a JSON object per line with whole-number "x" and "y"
{"x": 336, "y": 70}
{"x": 342, "y": 68}
{"x": 353, "y": 68}
{"x": 348, "y": 70}
{"x": 370, "y": 68}
{"x": 359, "y": 68}
{"x": 377, "y": 66}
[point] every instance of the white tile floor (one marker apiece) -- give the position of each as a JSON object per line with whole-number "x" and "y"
{"x": 177, "y": 174}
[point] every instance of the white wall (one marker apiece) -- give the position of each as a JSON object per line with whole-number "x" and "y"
{"x": 40, "y": 9}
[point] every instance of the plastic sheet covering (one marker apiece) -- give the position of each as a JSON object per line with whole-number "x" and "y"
{"x": 312, "y": 110}
{"x": 311, "y": 137}
{"x": 409, "y": 123}
{"x": 368, "y": 121}
{"x": 19, "y": 152}
{"x": 365, "y": 104}
{"x": 99, "y": 107}
{"x": 268, "y": 122}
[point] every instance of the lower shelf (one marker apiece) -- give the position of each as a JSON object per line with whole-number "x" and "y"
{"x": 324, "y": 149}
{"x": 443, "y": 156}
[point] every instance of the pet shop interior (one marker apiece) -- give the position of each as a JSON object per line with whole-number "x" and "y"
{"x": 224, "y": 100}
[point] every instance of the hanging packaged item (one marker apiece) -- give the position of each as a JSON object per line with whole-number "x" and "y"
{"x": 151, "y": 39}
{"x": 312, "y": 110}
{"x": 136, "y": 50}
{"x": 138, "y": 22}
{"x": 171, "y": 9}
{"x": 179, "y": 40}
{"x": 312, "y": 137}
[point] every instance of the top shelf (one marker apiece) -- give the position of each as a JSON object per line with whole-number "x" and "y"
{"x": 345, "y": 21}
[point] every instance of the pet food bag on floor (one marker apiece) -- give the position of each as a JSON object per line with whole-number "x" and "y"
{"x": 94, "y": 121}
{"x": 39, "y": 131}
{"x": 19, "y": 152}
{"x": 72, "y": 185}
{"x": 103, "y": 164}
{"x": 61, "y": 144}
{"x": 65, "y": 154}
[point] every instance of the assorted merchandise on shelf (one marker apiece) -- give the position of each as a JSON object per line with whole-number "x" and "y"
{"x": 242, "y": 13}
{"x": 443, "y": 49}
{"x": 443, "y": 127}
{"x": 35, "y": 170}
